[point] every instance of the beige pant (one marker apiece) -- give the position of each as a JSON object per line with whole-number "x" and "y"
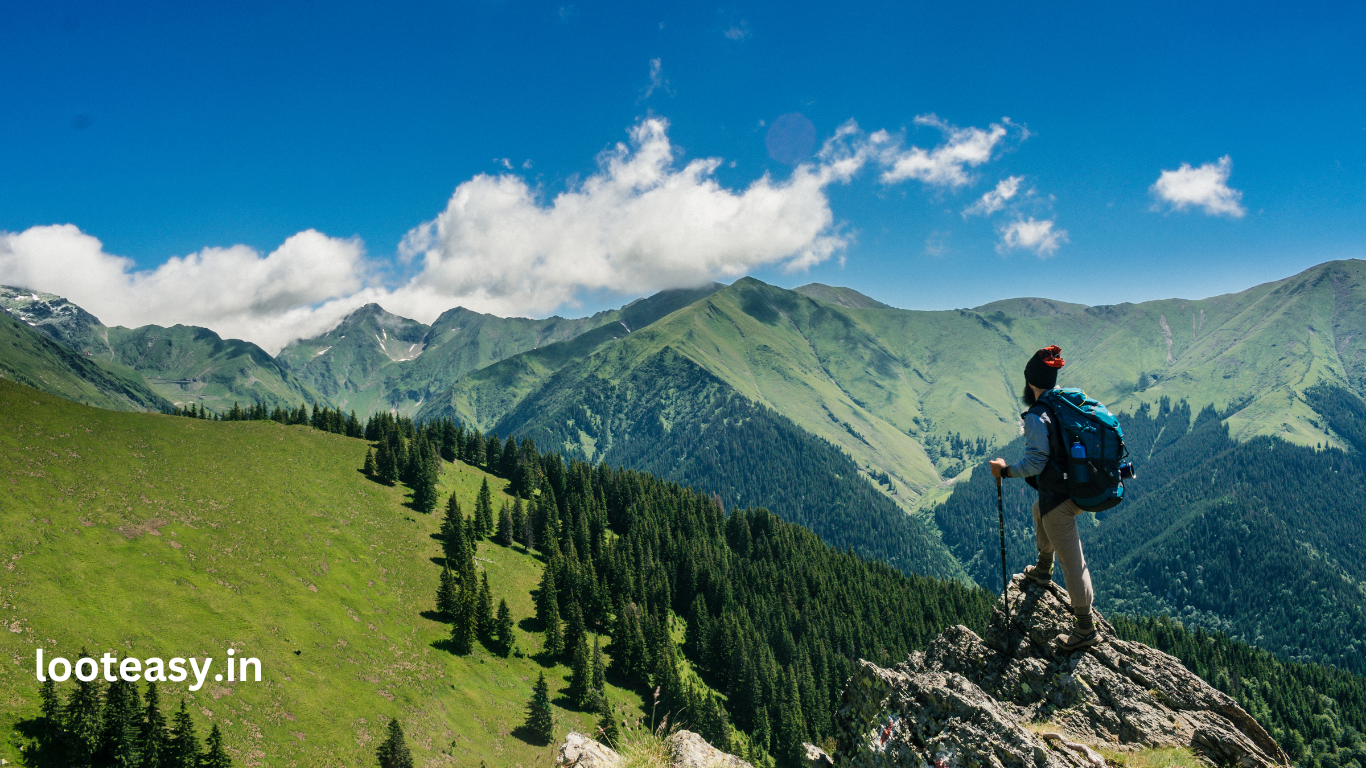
{"x": 1056, "y": 532}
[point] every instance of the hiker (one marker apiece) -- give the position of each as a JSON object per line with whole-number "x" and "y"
{"x": 1055, "y": 514}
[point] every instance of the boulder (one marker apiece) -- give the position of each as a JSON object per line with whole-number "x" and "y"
{"x": 965, "y": 701}
{"x": 685, "y": 749}
{"x": 582, "y": 751}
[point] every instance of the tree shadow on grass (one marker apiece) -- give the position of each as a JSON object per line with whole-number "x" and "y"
{"x": 375, "y": 479}
{"x": 436, "y": 616}
{"x": 441, "y": 561}
{"x": 445, "y": 644}
{"x": 42, "y": 751}
{"x": 525, "y": 734}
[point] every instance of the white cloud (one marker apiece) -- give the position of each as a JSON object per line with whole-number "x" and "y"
{"x": 946, "y": 164}
{"x": 302, "y": 288}
{"x": 738, "y": 32}
{"x": 637, "y": 224}
{"x": 1206, "y": 187}
{"x": 995, "y": 199}
{"x": 1037, "y": 236}
{"x": 657, "y": 81}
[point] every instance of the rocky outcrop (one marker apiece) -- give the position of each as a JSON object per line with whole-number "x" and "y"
{"x": 583, "y": 752}
{"x": 965, "y": 702}
{"x": 685, "y": 750}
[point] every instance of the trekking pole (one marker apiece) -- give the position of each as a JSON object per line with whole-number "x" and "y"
{"x": 1001, "y": 518}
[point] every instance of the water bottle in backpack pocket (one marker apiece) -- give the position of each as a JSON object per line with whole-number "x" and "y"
{"x": 1092, "y": 449}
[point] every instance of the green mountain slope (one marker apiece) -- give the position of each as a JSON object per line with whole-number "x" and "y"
{"x": 669, "y": 416}
{"x": 148, "y": 535}
{"x": 188, "y": 364}
{"x": 34, "y": 359}
{"x": 918, "y": 395}
{"x": 184, "y": 364}
{"x": 841, "y": 297}
{"x": 375, "y": 360}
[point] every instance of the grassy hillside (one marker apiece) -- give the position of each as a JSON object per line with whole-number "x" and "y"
{"x": 147, "y": 535}
{"x": 34, "y": 359}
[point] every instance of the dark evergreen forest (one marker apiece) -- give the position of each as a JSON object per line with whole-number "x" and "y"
{"x": 674, "y": 419}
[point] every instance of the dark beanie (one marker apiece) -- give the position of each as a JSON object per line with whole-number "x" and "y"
{"x": 1042, "y": 370}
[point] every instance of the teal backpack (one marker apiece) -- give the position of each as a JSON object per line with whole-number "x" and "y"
{"x": 1092, "y": 452}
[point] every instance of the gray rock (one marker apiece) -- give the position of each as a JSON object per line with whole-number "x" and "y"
{"x": 686, "y": 750}
{"x": 689, "y": 750}
{"x": 583, "y": 752}
{"x": 963, "y": 702}
{"x": 815, "y": 757}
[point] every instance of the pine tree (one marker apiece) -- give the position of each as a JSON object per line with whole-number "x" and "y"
{"x": 493, "y": 454}
{"x": 393, "y": 751}
{"x": 504, "y": 534}
{"x": 81, "y": 718}
{"x": 548, "y": 611}
{"x": 214, "y": 754}
{"x": 575, "y": 633}
{"x": 580, "y": 675}
{"x": 539, "y": 721}
{"x": 608, "y": 732}
{"x": 386, "y": 463}
{"x": 502, "y": 628}
{"x": 452, "y": 524}
{"x": 184, "y": 748}
{"x": 483, "y": 609}
{"x": 548, "y": 520}
{"x": 447, "y": 593}
{"x": 483, "y": 511}
{"x": 554, "y": 635}
{"x": 791, "y": 730}
{"x": 466, "y": 623}
{"x": 519, "y": 523}
{"x": 152, "y": 740}
{"x": 370, "y": 467}
{"x": 424, "y": 480}
{"x": 52, "y": 711}
{"x": 599, "y": 681}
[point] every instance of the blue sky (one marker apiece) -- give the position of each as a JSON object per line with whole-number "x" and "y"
{"x": 166, "y": 130}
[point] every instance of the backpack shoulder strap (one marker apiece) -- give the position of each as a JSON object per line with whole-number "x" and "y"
{"x": 1057, "y": 450}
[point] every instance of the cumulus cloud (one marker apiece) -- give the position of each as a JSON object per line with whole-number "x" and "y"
{"x": 738, "y": 32}
{"x": 637, "y": 225}
{"x": 642, "y": 221}
{"x": 946, "y": 164}
{"x": 302, "y": 288}
{"x": 1206, "y": 187}
{"x": 995, "y": 199}
{"x": 1030, "y": 235}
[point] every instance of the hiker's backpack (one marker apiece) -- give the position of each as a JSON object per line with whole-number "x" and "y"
{"x": 1086, "y": 427}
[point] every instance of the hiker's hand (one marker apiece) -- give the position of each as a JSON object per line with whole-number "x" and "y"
{"x": 998, "y": 467}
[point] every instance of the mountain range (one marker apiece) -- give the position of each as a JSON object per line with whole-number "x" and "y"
{"x": 858, "y": 420}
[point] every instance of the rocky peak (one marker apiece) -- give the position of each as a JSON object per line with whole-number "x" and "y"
{"x": 966, "y": 701}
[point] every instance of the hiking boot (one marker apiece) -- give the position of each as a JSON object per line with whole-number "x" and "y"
{"x": 1083, "y": 634}
{"x": 1041, "y": 572}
